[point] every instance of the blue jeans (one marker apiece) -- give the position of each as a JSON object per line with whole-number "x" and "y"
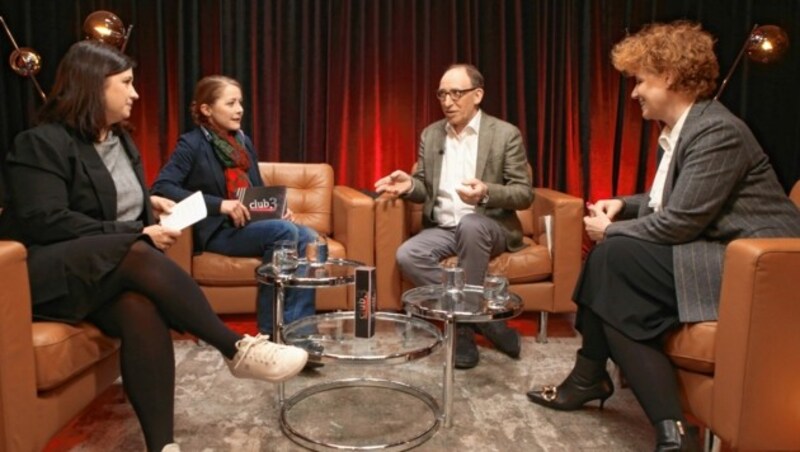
{"x": 258, "y": 239}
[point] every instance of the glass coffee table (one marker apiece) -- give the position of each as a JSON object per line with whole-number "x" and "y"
{"x": 398, "y": 339}
{"x": 334, "y": 273}
{"x": 469, "y": 306}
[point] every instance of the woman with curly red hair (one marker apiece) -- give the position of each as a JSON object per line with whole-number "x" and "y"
{"x": 658, "y": 261}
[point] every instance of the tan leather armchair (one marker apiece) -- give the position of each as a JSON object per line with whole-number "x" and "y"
{"x": 740, "y": 375}
{"x": 343, "y": 214}
{"x": 48, "y": 371}
{"x": 543, "y": 281}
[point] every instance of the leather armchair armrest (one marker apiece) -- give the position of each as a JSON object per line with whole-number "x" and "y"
{"x": 391, "y": 230}
{"x": 758, "y": 344}
{"x": 567, "y": 230}
{"x": 354, "y": 223}
{"x": 183, "y": 249}
{"x": 17, "y": 367}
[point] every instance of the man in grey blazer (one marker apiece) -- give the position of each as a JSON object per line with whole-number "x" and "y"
{"x": 659, "y": 259}
{"x": 471, "y": 176}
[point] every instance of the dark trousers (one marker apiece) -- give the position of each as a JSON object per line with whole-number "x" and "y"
{"x": 626, "y": 305}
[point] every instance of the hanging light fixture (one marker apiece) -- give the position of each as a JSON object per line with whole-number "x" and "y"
{"x": 105, "y": 26}
{"x": 24, "y": 60}
{"x": 764, "y": 44}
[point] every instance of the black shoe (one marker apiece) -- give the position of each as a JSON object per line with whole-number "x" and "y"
{"x": 587, "y": 381}
{"x": 504, "y": 338}
{"x": 467, "y": 355}
{"x": 672, "y": 435}
{"x": 314, "y": 349}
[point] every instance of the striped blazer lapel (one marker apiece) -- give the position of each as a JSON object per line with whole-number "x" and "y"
{"x": 697, "y": 110}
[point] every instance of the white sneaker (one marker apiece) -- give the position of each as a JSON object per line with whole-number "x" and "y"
{"x": 171, "y": 447}
{"x": 260, "y": 359}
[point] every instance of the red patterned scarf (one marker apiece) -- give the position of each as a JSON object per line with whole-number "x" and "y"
{"x": 233, "y": 156}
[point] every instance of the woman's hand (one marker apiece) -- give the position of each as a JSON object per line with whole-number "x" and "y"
{"x": 161, "y": 206}
{"x": 609, "y": 207}
{"x": 238, "y": 212}
{"x": 597, "y": 221}
{"x": 162, "y": 237}
{"x": 289, "y": 215}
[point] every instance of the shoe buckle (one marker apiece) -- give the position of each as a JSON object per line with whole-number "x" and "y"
{"x": 549, "y": 393}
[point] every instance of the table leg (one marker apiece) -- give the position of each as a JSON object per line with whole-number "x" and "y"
{"x": 277, "y": 325}
{"x": 449, "y": 377}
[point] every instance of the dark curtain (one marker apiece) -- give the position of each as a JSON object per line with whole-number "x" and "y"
{"x": 351, "y": 82}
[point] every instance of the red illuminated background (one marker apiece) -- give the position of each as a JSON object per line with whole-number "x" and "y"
{"x": 352, "y": 83}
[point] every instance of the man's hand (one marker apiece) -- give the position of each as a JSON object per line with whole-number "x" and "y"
{"x": 395, "y": 184}
{"x": 289, "y": 215}
{"x": 238, "y": 212}
{"x": 472, "y": 191}
{"x": 597, "y": 221}
{"x": 161, "y": 206}
{"x": 162, "y": 237}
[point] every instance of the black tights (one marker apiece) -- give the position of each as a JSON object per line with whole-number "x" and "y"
{"x": 646, "y": 367}
{"x": 143, "y": 324}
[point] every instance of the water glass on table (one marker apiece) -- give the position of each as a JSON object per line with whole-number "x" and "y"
{"x": 453, "y": 282}
{"x": 284, "y": 257}
{"x": 495, "y": 290}
{"x": 453, "y": 279}
{"x": 317, "y": 251}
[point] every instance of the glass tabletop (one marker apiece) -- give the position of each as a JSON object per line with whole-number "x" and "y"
{"x": 335, "y": 272}
{"x": 398, "y": 338}
{"x": 432, "y": 302}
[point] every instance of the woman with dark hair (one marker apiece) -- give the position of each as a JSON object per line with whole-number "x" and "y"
{"x": 659, "y": 259}
{"x": 78, "y": 202}
{"x": 217, "y": 158}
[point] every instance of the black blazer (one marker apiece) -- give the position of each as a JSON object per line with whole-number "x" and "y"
{"x": 194, "y": 166}
{"x": 63, "y": 207}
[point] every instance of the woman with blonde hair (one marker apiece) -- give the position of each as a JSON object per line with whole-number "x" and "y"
{"x": 658, "y": 261}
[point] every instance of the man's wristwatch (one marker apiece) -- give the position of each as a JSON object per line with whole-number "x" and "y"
{"x": 484, "y": 200}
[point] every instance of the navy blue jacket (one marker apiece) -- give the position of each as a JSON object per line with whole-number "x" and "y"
{"x": 194, "y": 166}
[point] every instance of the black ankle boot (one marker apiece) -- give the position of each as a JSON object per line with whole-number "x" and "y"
{"x": 672, "y": 435}
{"x": 587, "y": 381}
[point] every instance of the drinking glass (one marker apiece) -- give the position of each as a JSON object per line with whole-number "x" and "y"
{"x": 317, "y": 251}
{"x": 495, "y": 290}
{"x": 453, "y": 279}
{"x": 284, "y": 257}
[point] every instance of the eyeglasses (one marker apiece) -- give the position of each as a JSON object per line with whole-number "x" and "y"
{"x": 454, "y": 94}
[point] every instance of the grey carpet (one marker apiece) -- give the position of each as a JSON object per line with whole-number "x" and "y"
{"x": 216, "y": 412}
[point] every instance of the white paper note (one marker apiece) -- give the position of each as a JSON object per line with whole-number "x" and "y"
{"x": 186, "y": 213}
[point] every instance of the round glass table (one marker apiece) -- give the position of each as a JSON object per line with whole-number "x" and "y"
{"x": 468, "y": 306}
{"x": 398, "y": 338}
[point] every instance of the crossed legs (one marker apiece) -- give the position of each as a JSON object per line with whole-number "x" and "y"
{"x": 143, "y": 324}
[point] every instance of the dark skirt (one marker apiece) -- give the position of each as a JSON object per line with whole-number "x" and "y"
{"x": 67, "y": 278}
{"x": 630, "y": 284}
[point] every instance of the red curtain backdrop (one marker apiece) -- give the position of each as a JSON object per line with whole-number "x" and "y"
{"x": 352, "y": 82}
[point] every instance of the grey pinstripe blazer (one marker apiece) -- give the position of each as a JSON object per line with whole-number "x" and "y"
{"x": 720, "y": 187}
